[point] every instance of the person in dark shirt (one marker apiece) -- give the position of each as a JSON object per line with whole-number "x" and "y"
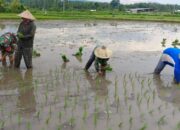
{"x": 99, "y": 56}
{"x": 8, "y": 44}
{"x": 25, "y": 33}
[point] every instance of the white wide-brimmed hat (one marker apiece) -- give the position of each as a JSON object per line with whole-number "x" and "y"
{"x": 103, "y": 52}
{"x": 27, "y": 14}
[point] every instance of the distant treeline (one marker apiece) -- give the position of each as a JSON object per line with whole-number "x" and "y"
{"x": 64, "y": 5}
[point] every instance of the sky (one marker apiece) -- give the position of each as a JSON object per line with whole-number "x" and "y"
{"x": 136, "y": 1}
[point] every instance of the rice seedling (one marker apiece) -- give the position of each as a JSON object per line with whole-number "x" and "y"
{"x": 85, "y": 113}
{"x": 148, "y": 101}
{"x": 178, "y": 126}
{"x": 95, "y": 117}
{"x": 72, "y": 121}
{"x": 145, "y": 93}
{"x": 46, "y": 97}
{"x": 29, "y": 126}
{"x": 36, "y": 84}
{"x": 50, "y": 112}
{"x": 120, "y": 125}
{"x": 173, "y": 112}
{"x": 65, "y": 102}
{"x": 19, "y": 119}
{"x": 151, "y": 112}
{"x": 37, "y": 114}
{"x": 131, "y": 121}
{"x": 118, "y": 104}
{"x": 59, "y": 128}
{"x": 2, "y": 124}
{"x": 115, "y": 88}
{"x": 78, "y": 87}
{"x": 159, "y": 108}
{"x": 107, "y": 108}
{"x": 139, "y": 102}
{"x": 48, "y": 120}
{"x": 130, "y": 109}
{"x": 60, "y": 116}
{"x": 161, "y": 120}
{"x": 154, "y": 95}
{"x": 144, "y": 127}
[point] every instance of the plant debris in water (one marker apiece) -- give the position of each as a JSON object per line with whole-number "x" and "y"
{"x": 36, "y": 54}
{"x": 64, "y": 58}
{"x": 175, "y": 43}
{"x": 163, "y": 43}
{"x": 79, "y": 53}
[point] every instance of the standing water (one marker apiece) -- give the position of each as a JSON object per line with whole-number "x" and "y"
{"x": 62, "y": 96}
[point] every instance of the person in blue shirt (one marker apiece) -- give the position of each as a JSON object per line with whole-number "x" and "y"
{"x": 170, "y": 56}
{"x": 99, "y": 56}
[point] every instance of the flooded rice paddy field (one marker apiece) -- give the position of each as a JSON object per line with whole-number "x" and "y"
{"x": 59, "y": 96}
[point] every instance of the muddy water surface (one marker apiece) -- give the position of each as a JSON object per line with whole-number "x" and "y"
{"x": 60, "y": 96}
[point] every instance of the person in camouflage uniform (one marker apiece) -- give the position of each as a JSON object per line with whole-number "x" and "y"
{"x": 99, "y": 56}
{"x": 25, "y": 33}
{"x": 8, "y": 44}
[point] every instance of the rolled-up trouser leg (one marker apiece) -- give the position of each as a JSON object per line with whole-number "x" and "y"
{"x": 160, "y": 66}
{"x": 27, "y": 54}
{"x": 18, "y": 57}
{"x": 90, "y": 61}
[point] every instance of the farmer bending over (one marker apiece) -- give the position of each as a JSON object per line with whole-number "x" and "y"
{"x": 8, "y": 43}
{"x": 100, "y": 55}
{"x": 170, "y": 56}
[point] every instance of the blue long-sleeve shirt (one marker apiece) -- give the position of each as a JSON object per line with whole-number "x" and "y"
{"x": 173, "y": 60}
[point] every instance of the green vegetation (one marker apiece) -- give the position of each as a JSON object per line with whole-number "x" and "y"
{"x": 99, "y": 15}
{"x": 64, "y": 58}
{"x": 79, "y": 52}
{"x": 36, "y": 54}
{"x": 56, "y": 9}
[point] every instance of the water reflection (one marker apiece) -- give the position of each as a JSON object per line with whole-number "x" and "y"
{"x": 8, "y": 28}
{"x": 167, "y": 92}
{"x": 2, "y": 26}
{"x": 99, "y": 84}
{"x": 18, "y": 85}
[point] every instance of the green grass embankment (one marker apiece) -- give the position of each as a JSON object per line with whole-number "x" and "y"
{"x": 87, "y": 15}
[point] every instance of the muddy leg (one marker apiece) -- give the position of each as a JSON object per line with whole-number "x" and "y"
{"x": 11, "y": 60}
{"x": 160, "y": 66}
{"x": 27, "y": 54}
{"x": 3, "y": 59}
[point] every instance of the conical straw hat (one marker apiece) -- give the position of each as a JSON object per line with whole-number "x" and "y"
{"x": 103, "y": 52}
{"x": 27, "y": 14}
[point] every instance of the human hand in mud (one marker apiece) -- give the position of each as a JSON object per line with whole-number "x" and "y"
{"x": 101, "y": 73}
{"x": 20, "y": 35}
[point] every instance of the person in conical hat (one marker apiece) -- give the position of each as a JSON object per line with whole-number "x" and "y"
{"x": 25, "y": 34}
{"x": 27, "y": 15}
{"x": 99, "y": 56}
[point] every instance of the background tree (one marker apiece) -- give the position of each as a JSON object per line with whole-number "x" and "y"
{"x": 16, "y": 6}
{"x": 115, "y": 4}
{"x": 2, "y": 6}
